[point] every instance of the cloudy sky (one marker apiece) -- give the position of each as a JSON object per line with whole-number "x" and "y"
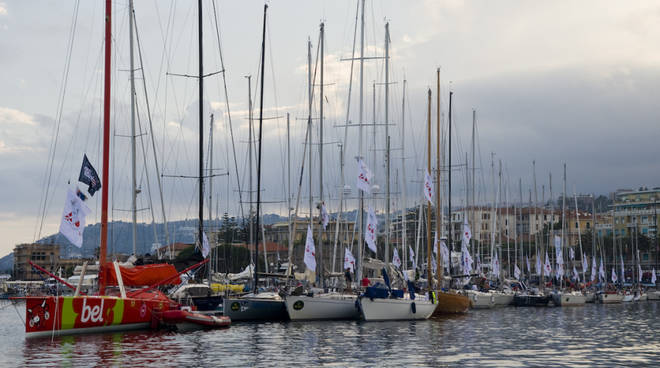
{"x": 556, "y": 82}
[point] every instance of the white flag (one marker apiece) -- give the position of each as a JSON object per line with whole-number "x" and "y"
{"x": 349, "y": 260}
{"x": 434, "y": 265}
{"x": 370, "y": 231}
{"x": 614, "y": 277}
{"x": 653, "y": 279}
{"x": 310, "y": 251}
{"x": 435, "y": 244}
{"x": 466, "y": 259}
{"x": 623, "y": 271}
{"x": 467, "y": 234}
{"x": 585, "y": 262}
{"x": 571, "y": 253}
{"x": 206, "y": 249}
{"x": 444, "y": 253}
{"x": 428, "y": 187}
{"x": 325, "y": 218}
{"x": 495, "y": 266}
{"x": 559, "y": 273}
{"x": 576, "y": 276}
{"x": 558, "y": 255}
{"x": 547, "y": 268}
{"x": 593, "y": 268}
{"x": 412, "y": 256}
{"x": 364, "y": 177}
{"x": 601, "y": 270}
{"x": 73, "y": 218}
{"x": 516, "y": 271}
{"x": 639, "y": 271}
{"x": 529, "y": 269}
{"x": 539, "y": 268}
{"x": 395, "y": 258}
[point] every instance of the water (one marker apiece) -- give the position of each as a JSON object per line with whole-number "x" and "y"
{"x": 593, "y": 335}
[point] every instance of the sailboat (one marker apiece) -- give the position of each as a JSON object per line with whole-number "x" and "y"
{"x": 452, "y": 301}
{"x": 111, "y": 310}
{"x": 322, "y": 306}
{"x": 268, "y": 305}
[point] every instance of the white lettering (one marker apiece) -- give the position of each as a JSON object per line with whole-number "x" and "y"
{"x": 95, "y": 314}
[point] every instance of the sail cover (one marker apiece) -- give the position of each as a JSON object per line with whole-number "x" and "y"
{"x": 146, "y": 275}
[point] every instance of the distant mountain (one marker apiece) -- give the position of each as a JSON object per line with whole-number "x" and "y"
{"x": 7, "y": 263}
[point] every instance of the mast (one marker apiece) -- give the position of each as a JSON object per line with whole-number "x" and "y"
{"x": 536, "y": 237}
{"x": 250, "y": 160}
{"x": 387, "y": 138}
{"x": 261, "y": 121}
{"x": 438, "y": 207}
{"x": 106, "y": 147}
{"x": 361, "y": 214}
{"x": 404, "y": 209}
{"x": 210, "y": 173}
{"x": 201, "y": 127}
{"x": 564, "y": 228}
{"x": 133, "y": 155}
{"x": 288, "y": 188}
{"x": 474, "y": 123}
{"x": 519, "y": 220}
{"x": 321, "y": 161}
{"x": 449, "y": 224}
{"x": 429, "y": 245}
{"x": 579, "y": 233}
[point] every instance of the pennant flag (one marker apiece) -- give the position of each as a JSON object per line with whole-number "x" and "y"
{"x": 560, "y": 271}
{"x": 370, "y": 231}
{"x": 495, "y": 266}
{"x": 349, "y": 260}
{"x": 310, "y": 251}
{"x": 364, "y": 177}
{"x": 601, "y": 270}
{"x": 639, "y": 271}
{"x": 444, "y": 253}
{"x": 558, "y": 255}
{"x": 571, "y": 253}
{"x": 412, "y": 256}
{"x": 428, "y": 187}
{"x": 467, "y": 234}
{"x": 653, "y": 279}
{"x": 623, "y": 271}
{"x": 478, "y": 264}
{"x": 466, "y": 259}
{"x": 325, "y": 218}
{"x": 73, "y": 218}
{"x": 434, "y": 265}
{"x": 89, "y": 176}
{"x": 395, "y": 258}
{"x": 529, "y": 269}
{"x": 206, "y": 249}
{"x": 576, "y": 276}
{"x": 539, "y": 268}
{"x": 585, "y": 263}
{"x": 516, "y": 271}
{"x": 593, "y": 268}
{"x": 547, "y": 268}
{"x": 614, "y": 277}
{"x": 435, "y": 244}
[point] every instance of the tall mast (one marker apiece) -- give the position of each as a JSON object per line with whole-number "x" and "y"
{"x": 261, "y": 121}
{"x": 106, "y": 147}
{"x": 288, "y": 187}
{"x": 321, "y": 160}
{"x": 473, "y": 186}
{"x": 563, "y": 222}
{"x": 201, "y": 126}
{"x": 404, "y": 210}
{"x": 133, "y": 156}
{"x": 519, "y": 220}
{"x": 429, "y": 246}
{"x": 361, "y": 214}
{"x": 387, "y": 138}
{"x": 449, "y": 233}
{"x": 536, "y": 241}
{"x": 210, "y": 174}
{"x": 309, "y": 127}
{"x": 250, "y": 160}
{"x": 438, "y": 166}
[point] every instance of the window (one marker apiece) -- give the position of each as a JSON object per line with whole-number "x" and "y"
{"x": 577, "y": 225}
{"x": 588, "y": 225}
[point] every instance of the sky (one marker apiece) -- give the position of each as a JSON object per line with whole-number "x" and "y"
{"x": 551, "y": 83}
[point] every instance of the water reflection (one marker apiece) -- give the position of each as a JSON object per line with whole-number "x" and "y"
{"x": 593, "y": 335}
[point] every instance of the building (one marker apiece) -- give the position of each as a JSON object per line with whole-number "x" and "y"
{"x": 636, "y": 210}
{"x": 43, "y": 255}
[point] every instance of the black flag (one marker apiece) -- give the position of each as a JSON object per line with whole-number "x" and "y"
{"x": 89, "y": 176}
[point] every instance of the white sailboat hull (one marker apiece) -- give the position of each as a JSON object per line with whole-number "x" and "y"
{"x": 395, "y": 309}
{"x": 322, "y": 307}
{"x": 654, "y": 295}
{"x": 610, "y": 298}
{"x": 502, "y": 299}
{"x": 628, "y": 298}
{"x": 570, "y": 300}
{"x": 479, "y": 300}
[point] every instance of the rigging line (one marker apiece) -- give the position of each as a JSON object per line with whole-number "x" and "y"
{"x": 277, "y": 108}
{"x": 60, "y": 108}
{"x": 231, "y": 130}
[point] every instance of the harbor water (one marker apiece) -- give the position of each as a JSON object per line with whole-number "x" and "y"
{"x": 591, "y": 335}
